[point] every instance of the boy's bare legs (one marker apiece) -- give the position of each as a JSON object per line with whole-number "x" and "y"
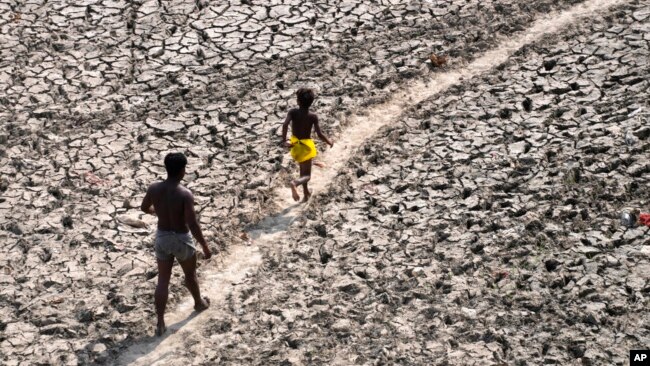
{"x": 305, "y": 176}
{"x": 192, "y": 283}
{"x": 294, "y": 191}
{"x": 162, "y": 291}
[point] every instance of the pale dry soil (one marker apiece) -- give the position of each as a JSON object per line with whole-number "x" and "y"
{"x": 481, "y": 225}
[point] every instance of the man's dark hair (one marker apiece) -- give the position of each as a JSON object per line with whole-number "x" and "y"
{"x": 175, "y": 163}
{"x": 305, "y": 97}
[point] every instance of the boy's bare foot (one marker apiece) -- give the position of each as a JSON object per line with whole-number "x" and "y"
{"x": 205, "y": 303}
{"x": 294, "y": 192}
{"x": 306, "y": 198}
{"x": 160, "y": 330}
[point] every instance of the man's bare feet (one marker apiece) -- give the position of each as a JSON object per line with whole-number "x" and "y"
{"x": 160, "y": 330}
{"x": 205, "y": 303}
{"x": 294, "y": 192}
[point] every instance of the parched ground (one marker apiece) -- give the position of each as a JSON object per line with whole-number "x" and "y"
{"x": 484, "y": 223}
{"x": 483, "y": 228}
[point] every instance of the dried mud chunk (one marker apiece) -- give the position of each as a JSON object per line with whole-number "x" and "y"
{"x": 100, "y": 352}
{"x": 131, "y": 221}
{"x": 56, "y": 192}
{"x": 13, "y": 227}
{"x": 350, "y": 287}
{"x": 477, "y": 248}
{"x": 549, "y": 64}
{"x": 165, "y": 126}
{"x": 321, "y": 230}
{"x": 325, "y": 254}
{"x": 67, "y": 222}
{"x": 642, "y": 133}
{"x": 551, "y": 264}
{"x": 342, "y": 326}
{"x": 85, "y": 316}
{"x": 535, "y": 226}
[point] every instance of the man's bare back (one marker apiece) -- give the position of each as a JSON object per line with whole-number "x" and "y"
{"x": 169, "y": 201}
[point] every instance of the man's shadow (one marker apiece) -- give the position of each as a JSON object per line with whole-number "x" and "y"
{"x": 130, "y": 350}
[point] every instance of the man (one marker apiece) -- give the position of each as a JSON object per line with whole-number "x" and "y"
{"x": 303, "y": 150}
{"x": 174, "y": 206}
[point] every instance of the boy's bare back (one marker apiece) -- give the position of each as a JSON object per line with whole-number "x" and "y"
{"x": 302, "y": 122}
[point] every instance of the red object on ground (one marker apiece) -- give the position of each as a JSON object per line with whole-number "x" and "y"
{"x": 644, "y": 219}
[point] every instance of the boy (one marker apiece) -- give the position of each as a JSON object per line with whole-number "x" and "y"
{"x": 174, "y": 206}
{"x": 303, "y": 149}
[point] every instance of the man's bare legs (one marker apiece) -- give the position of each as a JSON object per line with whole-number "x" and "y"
{"x": 162, "y": 291}
{"x": 192, "y": 283}
{"x": 305, "y": 176}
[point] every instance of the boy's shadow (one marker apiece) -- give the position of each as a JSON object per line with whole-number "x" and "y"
{"x": 276, "y": 223}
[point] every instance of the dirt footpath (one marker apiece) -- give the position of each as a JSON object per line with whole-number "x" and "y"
{"x": 482, "y": 224}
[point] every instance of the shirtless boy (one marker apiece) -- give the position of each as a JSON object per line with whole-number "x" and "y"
{"x": 303, "y": 149}
{"x": 174, "y": 206}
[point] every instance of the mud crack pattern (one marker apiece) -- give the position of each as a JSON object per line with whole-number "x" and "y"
{"x": 96, "y": 92}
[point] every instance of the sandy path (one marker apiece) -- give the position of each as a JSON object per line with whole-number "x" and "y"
{"x": 242, "y": 261}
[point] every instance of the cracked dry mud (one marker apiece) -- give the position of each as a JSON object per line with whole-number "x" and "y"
{"x": 482, "y": 225}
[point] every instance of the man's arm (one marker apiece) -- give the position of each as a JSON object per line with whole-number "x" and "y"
{"x": 193, "y": 223}
{"x": 285, "y": 129}
{"x": 320, "y": 133}
{"x": 147, "y": 202}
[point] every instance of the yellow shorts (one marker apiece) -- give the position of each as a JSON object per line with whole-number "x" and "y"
{"x": 303, "y": 150}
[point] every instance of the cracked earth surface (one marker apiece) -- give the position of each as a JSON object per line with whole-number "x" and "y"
{"x": 483, "y": 224}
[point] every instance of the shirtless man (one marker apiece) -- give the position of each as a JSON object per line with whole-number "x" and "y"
{"x": 303, "y": 149}
{"x": 174, "y": 206}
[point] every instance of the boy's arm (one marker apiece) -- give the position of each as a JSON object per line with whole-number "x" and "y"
{"x": 193, "y": 224}
{"x": 147, "y": 203}
{"x": 320, "y": 133}
{"x": 285, "y": 129}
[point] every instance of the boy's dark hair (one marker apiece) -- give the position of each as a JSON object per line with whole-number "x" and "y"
{"x": 175, "y": 163}
{"x": 305, "y": 97}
